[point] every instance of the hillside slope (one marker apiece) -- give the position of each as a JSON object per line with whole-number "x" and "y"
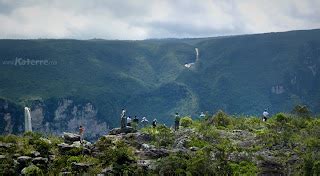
{"x": 94, "y": 79}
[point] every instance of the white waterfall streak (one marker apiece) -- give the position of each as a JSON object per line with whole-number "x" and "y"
{"x": 27, "y": 120}
{"x": 197, "y": 54}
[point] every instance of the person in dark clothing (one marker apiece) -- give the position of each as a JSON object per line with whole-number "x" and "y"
{"x": 154, "y": 123}
{"x": 177, "y": 122}
{"x": 136, "y": 120}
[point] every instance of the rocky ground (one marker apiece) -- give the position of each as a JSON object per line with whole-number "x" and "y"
{"x": 195, "y": 149}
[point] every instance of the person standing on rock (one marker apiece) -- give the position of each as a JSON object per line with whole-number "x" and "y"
{"x": 176, "y": 121}
{"x": 265, "y": 115}
{"x": 154, "y": 123}
{"x": 129, "y": 121}
{"x": 81, "y": 131}
{"x": 123, "y": 119}
{"x": 144, "y": 121}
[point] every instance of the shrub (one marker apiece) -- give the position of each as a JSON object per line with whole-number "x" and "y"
{"x": 221, "y": 119}
{"x": 244, "y": 168}
{"x": 282, "y": 118}
{"x": 175, "y": 164}
{"x": 32, "y": 170}
{"x": 186, "y": 121}
{"x": 301, "y": 110}
{"x": 42, "y": 146}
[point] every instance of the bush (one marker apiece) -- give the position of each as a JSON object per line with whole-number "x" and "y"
{"x": 32, "y": 170}
{"x": 244, "y": 168}
{"x": 42, "y": 146}
{"x": 221, "y": 119}
{"x": 282, "y": 118}
{"x": 186, "y": 121}
{"x": 301, "y": 110}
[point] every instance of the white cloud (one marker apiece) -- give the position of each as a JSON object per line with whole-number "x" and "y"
{"x": 140, "y": 19}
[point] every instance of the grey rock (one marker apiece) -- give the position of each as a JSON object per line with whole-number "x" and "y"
{"x": 24, "y": 159}
{"x": 16, "y": 155}
{"x": 194, "y": 149}
{"x": 6, "y": 145}
{"x": 126, "y": 130}
{"x": 144, "y": 163}
{"x": 2, "y": 157}
{"x": 145, "y": 147}
{"x": 143, "y": 137}
{"x": 271, "y": 168}
{"x": 156, "y": 153}
{"x": 35, "y": 154}
{"x": 80, "y": 167}
{"x": 70, "y": 137}
{"x": 66, "y": 173}
{"x": 63, "y": 147}
{"x": 40, "y": 161}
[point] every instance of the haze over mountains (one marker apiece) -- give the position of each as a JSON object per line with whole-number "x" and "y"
{"x": 68, "y": 82}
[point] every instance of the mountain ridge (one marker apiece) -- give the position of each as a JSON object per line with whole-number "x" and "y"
{"x": 239, "y": 74}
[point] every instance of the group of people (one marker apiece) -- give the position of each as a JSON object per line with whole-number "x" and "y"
{"x": 128, "y": 121}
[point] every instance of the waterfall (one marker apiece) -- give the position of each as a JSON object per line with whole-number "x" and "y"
{"x": 27, "y": 120}
{"x": 197, "y": 54}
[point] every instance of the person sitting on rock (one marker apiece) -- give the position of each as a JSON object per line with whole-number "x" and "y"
{"x": 154, "y": 123}
{"x": 144, "y": 121}
{"x": 177, "y": 122}
{"x": 265, "y": 115}
{"x": 81, "y": 131}
{"x": 129, "y": 121}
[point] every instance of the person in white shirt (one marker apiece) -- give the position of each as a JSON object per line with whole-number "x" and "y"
{"x": 144, "y": 121}
{"x": 265, "y": 115}
{"x": 129, "y": 121}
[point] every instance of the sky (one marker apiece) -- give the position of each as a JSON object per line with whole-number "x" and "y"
{"x": 146, "y": 19}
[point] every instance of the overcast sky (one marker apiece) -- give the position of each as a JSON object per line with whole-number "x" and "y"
{"x": 143, "y": 19}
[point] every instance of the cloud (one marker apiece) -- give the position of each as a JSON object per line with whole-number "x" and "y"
{"x": 141, "y": 19}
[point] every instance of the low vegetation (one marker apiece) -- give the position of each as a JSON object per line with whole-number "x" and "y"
{"x": 286, "y": 144}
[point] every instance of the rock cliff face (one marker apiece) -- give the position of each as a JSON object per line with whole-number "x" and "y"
{"x": 11, "y": 117}
{"x": 62, "y": 115}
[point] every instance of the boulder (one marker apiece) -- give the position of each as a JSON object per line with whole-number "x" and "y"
{"x": 126, "y": 130}
{"x": 144, "y": 163}
{"x": 156, "y": 153}
{"x": 80, "y": 167}
{"x": 2, "y": 157}
{"x": 270, "y": 168}
{"x": 6, "y": 145}
{"x": 69, "y": 138}
{"x": 22, "y": 162}
{"x": 24, "y": 159}
{"x": 35, "y": 154}
{"x": 145, "y": 147}
{"x": 143, "y": 137}
{"x": 194, "y": 149}
{"x": 63, "y": 147}
{"x": 40, "y": 161}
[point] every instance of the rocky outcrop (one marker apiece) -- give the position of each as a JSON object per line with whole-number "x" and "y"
{"x": 125, "y": 130}
{"x": 80, "y": 167}
{"x": 69, "y": 138}
{"x": 271, "y": 168}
